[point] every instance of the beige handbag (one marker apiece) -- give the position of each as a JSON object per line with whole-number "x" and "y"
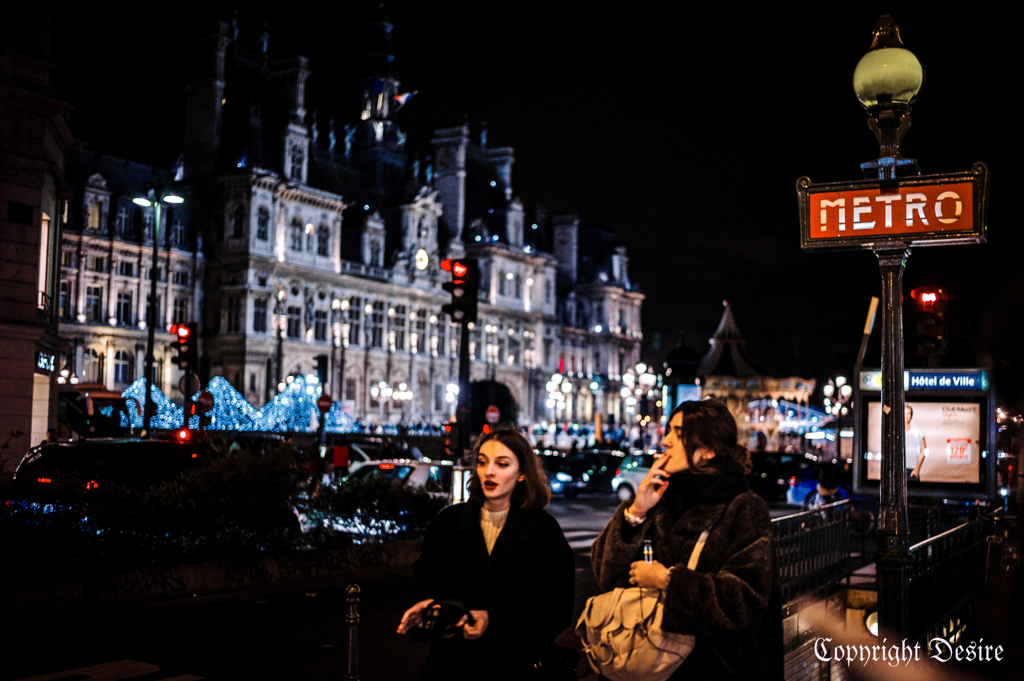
{"x": 622, "y": 634}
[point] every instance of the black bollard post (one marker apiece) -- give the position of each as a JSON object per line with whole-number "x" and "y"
{"x": 352, "y": 619}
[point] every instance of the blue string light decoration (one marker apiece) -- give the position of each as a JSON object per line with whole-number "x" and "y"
{"x": 292, "y": 410}
{"x": 231, "y": 411}
{"x": 168, "y": 415}
{"x": 338, "y": 421}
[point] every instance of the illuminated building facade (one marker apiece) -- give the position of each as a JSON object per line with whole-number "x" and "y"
{"x": 323, "y": 243}
{"x": 106, "y": 258}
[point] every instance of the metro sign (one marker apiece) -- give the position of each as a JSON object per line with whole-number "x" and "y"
{"x": 924, "y": 210}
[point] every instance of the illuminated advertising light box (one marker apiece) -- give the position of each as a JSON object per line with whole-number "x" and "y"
{"x": 949, "y": 431}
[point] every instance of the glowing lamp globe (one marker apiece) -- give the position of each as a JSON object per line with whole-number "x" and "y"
{"x": 889, "y": 75}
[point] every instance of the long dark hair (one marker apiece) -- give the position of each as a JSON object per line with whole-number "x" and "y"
{"x": 531, "y": 492}
{"x": 707, "y": 424}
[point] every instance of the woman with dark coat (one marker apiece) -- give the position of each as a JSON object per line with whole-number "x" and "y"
{"x": 506, "y": 559}
{"x": 731, "y": 602}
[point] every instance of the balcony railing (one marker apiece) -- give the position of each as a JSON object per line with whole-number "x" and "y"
{"x": 358, "y": 269}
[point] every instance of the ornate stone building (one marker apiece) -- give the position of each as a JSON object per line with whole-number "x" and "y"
{"x": 323, "y": 245}
{"x": 106, "y": 257}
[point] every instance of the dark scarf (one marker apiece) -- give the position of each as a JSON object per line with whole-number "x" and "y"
{"x": 722, "y": 483}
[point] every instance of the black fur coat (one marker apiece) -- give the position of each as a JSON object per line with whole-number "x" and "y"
{"x": 731, "y": 603}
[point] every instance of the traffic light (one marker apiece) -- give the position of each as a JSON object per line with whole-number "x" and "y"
{"x": 930, "y": 306}
{"x": 187, "y": 357}
{"x": 451, "y": 441}
{"x": 463, "y": 287}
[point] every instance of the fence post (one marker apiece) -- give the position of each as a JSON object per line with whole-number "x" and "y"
{"x": 352, "y": 619}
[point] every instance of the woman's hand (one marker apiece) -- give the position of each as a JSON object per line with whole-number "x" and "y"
{"x": 650, "y": 575}
{"x": 652, "y": 488}
{"x": 479, "y": 626}
{"x": 413, "y": 617}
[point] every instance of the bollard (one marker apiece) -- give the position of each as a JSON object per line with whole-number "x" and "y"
{"x": 353, "y": 638}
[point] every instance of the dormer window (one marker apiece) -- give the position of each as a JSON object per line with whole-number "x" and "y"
{"x": 92, "y": 214}
{"x": 124, "y": 222}
{"x": 323, "y": 240}
{"x": 297, "y": 159}
{"x": 263, "y": 224}
{"x": 179, "y": 235}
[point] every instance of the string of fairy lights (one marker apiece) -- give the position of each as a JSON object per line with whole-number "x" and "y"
{"x": 293, "y": 410}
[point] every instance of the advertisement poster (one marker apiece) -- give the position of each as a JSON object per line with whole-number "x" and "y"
{"x": 942, "y": 441}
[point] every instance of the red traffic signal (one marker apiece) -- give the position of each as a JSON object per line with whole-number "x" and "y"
{"x": 187, "y": 357}
{"x": 927, "y": 296}
{"x": 460, "y": 268}
{"x": 932, "y": 323}
{"x": 463, "y": 287}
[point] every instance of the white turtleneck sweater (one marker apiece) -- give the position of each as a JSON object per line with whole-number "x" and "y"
{"x": 491, "y": 523}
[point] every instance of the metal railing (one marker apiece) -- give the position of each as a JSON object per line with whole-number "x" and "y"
{"x": 946, "y": 578}
{"x": 371, "y": 271}
{"x": 812, "y": 549}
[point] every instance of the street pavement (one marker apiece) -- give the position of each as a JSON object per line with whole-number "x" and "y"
{"x": 295, "y": 636}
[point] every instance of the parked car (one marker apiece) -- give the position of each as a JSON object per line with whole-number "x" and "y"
{"x": 630, "y": 472}
{"x": 771, "y": 474}
{"x": 441, "y": 479}
{"x": 586, "y": 470}
{"x": 136, "y": 462}
{"x": 814, "y": 485}
{"x": 564, "y": 479}
{"x": 436, "y": 477}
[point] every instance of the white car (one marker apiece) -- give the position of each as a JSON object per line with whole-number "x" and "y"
{"x": 627, "y": 478}
{"x": 435, "y": 477}
{"x": 438, "y": 478}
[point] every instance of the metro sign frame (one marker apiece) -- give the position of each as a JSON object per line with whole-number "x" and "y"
{"x": 921, "y": 210}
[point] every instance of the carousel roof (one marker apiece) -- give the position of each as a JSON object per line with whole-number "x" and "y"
{"x": 726, "y": 356}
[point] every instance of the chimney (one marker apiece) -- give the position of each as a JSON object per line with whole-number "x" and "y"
{"x": 567, "y": 234}
{"x": 450, "y": 176}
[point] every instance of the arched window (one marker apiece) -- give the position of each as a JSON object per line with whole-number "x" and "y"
{"x": 519, "y": 286}
{"x": 92, "y": 364}
{"x": 501, "y": 283}
{"x": 263, "y": 224}
{"x": 296, "y": 234}
{"x": 124, "y": 371}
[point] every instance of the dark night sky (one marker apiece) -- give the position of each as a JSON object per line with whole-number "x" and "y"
{"x": 684, "y": 132}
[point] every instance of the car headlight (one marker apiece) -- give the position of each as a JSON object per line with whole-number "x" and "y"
{"x": 563, "y": 477}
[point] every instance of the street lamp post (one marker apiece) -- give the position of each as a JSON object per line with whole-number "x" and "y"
{"x": 381, "y": 392}
{"x": 886, "y": 81}
{"x": 151, "y": 200}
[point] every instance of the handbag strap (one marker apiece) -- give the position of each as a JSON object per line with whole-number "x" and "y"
{"x": 695, "y": 556}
